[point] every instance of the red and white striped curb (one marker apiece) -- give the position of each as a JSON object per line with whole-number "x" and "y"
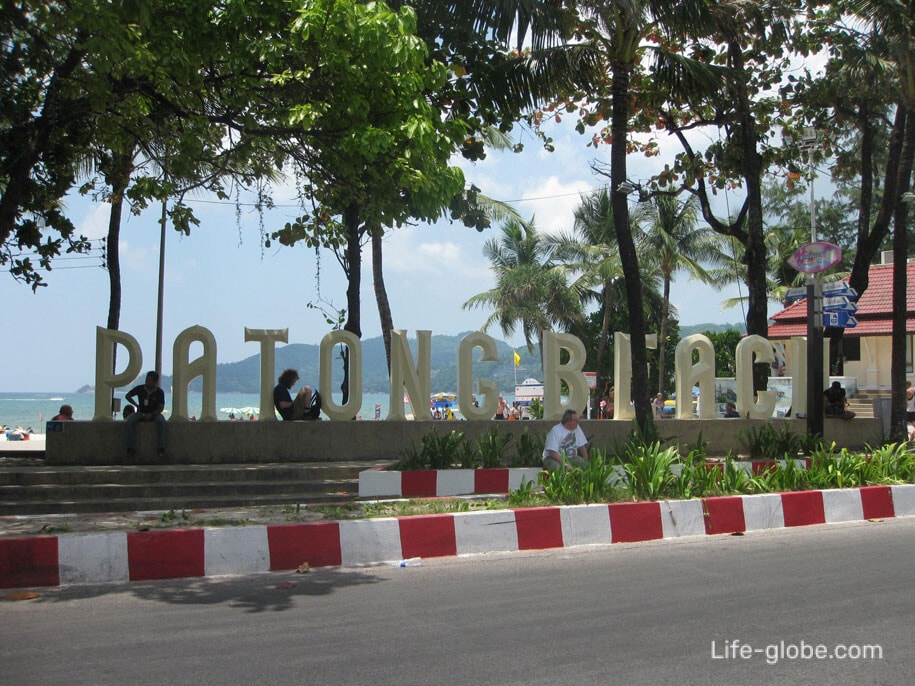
{"x": 100, "y": 558}
{"x": 429, "y": 483}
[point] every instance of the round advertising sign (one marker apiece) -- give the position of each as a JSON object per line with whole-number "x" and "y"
{"x": 816, "y": 257}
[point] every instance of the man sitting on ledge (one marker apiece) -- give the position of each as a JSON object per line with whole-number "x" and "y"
{"x": 290, "y": 409}
{"x": 836, "y": 402}
{"x": 149, "y": 401}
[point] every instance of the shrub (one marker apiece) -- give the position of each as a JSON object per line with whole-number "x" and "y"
{"x": 767, "y": 442}
{"x": 648, "y": 470}
{"x": 491, "y": 447}
{"x": 592, "y": 483}
{"x": 439, "y": 451}
{"x": 529, "y": 449}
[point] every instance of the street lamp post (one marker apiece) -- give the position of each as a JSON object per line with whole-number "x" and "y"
{"x": 815, "y": 339}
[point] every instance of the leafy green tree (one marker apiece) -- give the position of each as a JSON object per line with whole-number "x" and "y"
{"x": 84, "y": 85}
{"x": 725, "y": 344}
{"x": 873, "y": 54}
{"x": 751, "y": 41}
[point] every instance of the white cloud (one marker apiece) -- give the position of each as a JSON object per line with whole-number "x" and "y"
{"x": 94, "y": 224}
{"x": 553, "y": 203}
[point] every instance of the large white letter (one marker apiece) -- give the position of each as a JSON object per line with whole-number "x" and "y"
{"x": 701, "y": 374}
{"x": 185, "y": 371}
{"x": 799, "y": 373}
{"x": 268, "y": 339}
{"x": 105, "y": 378}
{"x": 488, "y": 389}
{"x": 555, "y": 373}
{"x": 354, "y": 401}
{"x": 764, "y": 404}
{"x": 416, "y": 379}
{"x": 622, "y": 373}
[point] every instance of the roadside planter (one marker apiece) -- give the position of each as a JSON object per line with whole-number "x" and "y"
{"x": 433, "y": 483}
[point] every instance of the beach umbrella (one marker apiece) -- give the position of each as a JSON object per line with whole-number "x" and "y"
{"x": 442, "y": 400}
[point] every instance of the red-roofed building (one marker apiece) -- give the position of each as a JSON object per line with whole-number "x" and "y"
{"x": 867, "y": 346}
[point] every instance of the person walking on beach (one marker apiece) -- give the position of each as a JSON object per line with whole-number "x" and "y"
{"x": 149, "y": 400}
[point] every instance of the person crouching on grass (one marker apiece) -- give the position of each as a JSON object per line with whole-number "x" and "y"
{"x": 566, "y": 444}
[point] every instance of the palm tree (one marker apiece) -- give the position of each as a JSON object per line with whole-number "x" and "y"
{"x": 592, "y": 253}
{"x": 617, "y": 30}
{"x": 673, "y": 243}
{"x": 530, "y": 291}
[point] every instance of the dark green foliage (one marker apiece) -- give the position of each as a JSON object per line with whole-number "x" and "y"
{"x": 528, "y": 449}
{"x": 593, "y": 483}
{"x": 767, "y": 442}
{"x": 491, "y": 447}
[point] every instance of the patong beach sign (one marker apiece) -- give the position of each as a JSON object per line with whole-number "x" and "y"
{"x": 412, "y": 377}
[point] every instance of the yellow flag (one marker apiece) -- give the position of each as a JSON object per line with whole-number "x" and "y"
{"x": 517, "y": 358}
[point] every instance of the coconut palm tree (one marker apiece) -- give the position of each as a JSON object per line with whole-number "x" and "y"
{"x": 618, "y": 31}
{"x": 674, "y": 243}
{"x": 591, "y": 252}
{"x": 530, "y": 291}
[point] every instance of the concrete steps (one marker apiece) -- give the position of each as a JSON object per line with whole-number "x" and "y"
{"x": 31, "y": 487}
{"x": 862, "y": 402}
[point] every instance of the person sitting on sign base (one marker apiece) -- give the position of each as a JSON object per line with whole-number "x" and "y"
{"x": 836, "y": 402}
{"x": 65, "y": 414}
{"x": 290, "y": 409}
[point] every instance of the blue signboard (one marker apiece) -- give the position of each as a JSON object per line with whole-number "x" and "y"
{"x": 794, "y": 294}
{"x": 839, "y": 320}
{"x": 839, "y": 303}
{"x": 839, "y": 288}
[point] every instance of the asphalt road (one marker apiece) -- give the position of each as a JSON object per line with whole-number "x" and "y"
{"x": 751, "y": 609}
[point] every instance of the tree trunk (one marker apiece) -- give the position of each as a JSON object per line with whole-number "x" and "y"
{"x": 381, "y": 295}
{"x": 868, "y": 243}
{"x": 353, "y": 284}
{"x": 628, "y": 256}
{"x": 662, "y": 334}
{"x": 602, "y": 343}
{"x": 898, "y": 430}
{"x": 751, "y": 168}
{"x": 118, "y": 179}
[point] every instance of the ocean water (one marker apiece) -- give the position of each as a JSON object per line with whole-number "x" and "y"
{"x": 34, "y": 409}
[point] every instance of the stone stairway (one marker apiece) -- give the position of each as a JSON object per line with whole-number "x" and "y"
{"x": 862, "y": 402}
{"x": 28, "y": 486}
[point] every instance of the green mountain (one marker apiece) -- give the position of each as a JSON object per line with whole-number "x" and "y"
{"x": 244, "y": 376}
{"x": 712, "y": 328}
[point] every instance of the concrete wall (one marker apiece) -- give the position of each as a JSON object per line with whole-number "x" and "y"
{"x": 102, "y": 443}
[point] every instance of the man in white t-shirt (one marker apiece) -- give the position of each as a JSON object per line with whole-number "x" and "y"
{"x": 566, "y": 444}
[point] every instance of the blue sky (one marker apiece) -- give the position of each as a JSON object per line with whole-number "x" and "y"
{"x": 221, "y": 278}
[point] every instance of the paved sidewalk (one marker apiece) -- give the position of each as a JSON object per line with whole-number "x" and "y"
{"x": 38, "y": 525}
